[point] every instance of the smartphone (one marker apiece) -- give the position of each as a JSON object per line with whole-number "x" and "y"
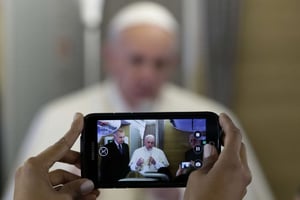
{"x": 134, "y": 150}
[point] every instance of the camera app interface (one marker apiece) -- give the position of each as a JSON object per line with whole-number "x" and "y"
{"x": 150, "y": 151}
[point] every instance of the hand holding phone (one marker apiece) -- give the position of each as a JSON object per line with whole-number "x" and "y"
{"x": 212, "y": 181}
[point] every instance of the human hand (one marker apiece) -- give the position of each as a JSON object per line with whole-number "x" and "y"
{"x": 33, "y": 181}
{"x": 186, "y": 169}
{"x": 179, "y": 171}
{"x": 192, "y": 163}
{"x": 140, "y": 162}
{"x": 226, "y": 177}
{"x": 152, "y": 161}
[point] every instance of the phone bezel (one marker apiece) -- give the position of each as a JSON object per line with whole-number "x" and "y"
{"x": 89, "y": 145}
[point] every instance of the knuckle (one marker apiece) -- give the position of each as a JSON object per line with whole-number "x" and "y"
{"x": 243, "y": 176}
{"x": 236, "y": 130}
{"x": 30, "y": 163}
{"x": 248, "y": 178}
{"x": 232, "y": 165}
{"x": 28, "y": 167}
{"x": 63, "y": 142}
{"x": 19, "y": 172}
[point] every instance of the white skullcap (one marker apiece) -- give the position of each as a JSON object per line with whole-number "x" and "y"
{"x": 145, "y": 12}
{"x": 149, "y": 136}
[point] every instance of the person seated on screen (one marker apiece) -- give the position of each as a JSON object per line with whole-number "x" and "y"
{"x": 114, "y": 166}
{"x": 188, "y": 165}
{"x": 191, "y": 155}
{"x": 149, "y": 158}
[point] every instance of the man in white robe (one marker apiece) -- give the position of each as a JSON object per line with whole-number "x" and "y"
{"x": 148, "y": 158}
{"x": 140, "y": 56}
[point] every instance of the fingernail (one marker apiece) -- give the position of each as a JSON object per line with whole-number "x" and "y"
{"x": 76, "y": 116}
{"x": 86, "y": 187}
{"x": 208, "y": 150}
{"x": 221, "y": 118}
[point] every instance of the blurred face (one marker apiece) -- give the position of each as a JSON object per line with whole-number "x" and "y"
{"x": 193, "y": 141}
{"x": 141, "y": 61}
{"x": 119, "y": 137}
{"x": 149, "y": 143}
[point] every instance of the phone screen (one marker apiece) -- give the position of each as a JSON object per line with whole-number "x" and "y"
{"x": 146, "y": 150}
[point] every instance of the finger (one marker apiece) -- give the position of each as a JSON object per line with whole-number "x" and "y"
{"x": 58, "y": 150}
{"x": 78, "y": 188}
{"x": 210, "y": 156}
{"x": 92, "y": 195}
{"x": 89, "y": 197}
{"x": 233, "y": 137}
{"x": 61, "y": 177}
{"x": 96, "y": 192}
{"x": 244, "y": 193}
{"x": 243, "y": 156}
{"x": 76, "y": 127}
{"x": 71, "y": 157}
{"x": 244, "y": 160}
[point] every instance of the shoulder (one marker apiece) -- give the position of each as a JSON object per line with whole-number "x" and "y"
{"x": 79, "y": 99}
{"x": 138, "y": 150}
{"x": 64, "y": 107}
{"x": 181, "y": 99}
{"x": 158, "y": 150}
{"x": 176, "y": 99}
{"x": 125, "y": 145}
{"x": 110, "y": 145}
{"x": 55, "y": 117}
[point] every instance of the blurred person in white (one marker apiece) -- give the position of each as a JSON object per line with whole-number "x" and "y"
{"x": 140, "y": 55}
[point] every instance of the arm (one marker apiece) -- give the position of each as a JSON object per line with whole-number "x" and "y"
{"x": 132, "y": 163}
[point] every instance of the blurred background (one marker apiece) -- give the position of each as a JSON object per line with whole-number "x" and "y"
{"x": 244, "y": 54}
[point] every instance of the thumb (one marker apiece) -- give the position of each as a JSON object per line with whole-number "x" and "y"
{"x": 210, "y": 156}
{"x": 78, "y": 188}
